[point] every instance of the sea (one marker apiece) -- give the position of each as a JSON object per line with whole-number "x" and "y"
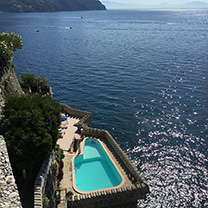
{"x": 144, "y": 76}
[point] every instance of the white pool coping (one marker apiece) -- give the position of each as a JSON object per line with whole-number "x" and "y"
{"x": 111, "y": 159}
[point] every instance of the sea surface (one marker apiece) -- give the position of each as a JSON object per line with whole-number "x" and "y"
{"x": 143, "y": 74}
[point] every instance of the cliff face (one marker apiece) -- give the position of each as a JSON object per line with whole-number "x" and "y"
{"x": 9, "y": 84}
{"x": 49, "y": 5}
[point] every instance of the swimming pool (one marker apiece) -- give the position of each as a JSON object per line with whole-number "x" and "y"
{"x": 94, "y": 170}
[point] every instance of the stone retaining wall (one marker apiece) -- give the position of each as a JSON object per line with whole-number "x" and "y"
{"x": 121, "y": 197}
{"x": 84, "y": 116}
{"x": 42, "y": 178}
{"x": 9, "y": 195}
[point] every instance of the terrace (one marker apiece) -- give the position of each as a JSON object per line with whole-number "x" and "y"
{"x": 133, "y": 186}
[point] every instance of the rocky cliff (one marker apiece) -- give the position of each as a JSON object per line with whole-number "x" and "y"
{"x": 49, "y": 5}
{"x": 9, "y": 84}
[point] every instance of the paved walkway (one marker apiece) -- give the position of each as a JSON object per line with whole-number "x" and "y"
{"x": 70, "y": 130}
{"x": 66, "y": 182}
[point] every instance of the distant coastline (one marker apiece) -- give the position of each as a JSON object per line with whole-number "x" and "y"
{"x": 165, "y": 5}
{"x": 50, "y": 5}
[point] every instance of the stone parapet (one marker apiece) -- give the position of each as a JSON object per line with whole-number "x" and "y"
{"x": 41, "y": 180}
{"x": 84, "y": 116}
{"x": 120, "y": 197}
{"x": 9, "y": 195}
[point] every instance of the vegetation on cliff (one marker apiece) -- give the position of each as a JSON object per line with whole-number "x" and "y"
{"x": 49, "y": 5}
{"x": 32, "y": 83}
{"x": 30, "y": 127}
{"x": 30, "y": 122}
{"x": 9, "y": 42}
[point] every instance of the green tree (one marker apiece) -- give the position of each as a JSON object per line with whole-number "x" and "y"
{"x": 32, "y": 81}
{"x": 28, "y": 80}
{"x": 42, "y": 82}
{"x": 30, "y": 127}
{"x": 9, "y": 42}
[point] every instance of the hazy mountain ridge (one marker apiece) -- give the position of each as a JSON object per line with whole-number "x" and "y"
{"x": 49, "y": 5}
{"x": 196, "y": 3}
{"x": 116, "y": 5}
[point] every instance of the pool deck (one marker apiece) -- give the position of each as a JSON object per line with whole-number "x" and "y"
{"x": 68, "y": 130}
{"x": 66, "y": 184}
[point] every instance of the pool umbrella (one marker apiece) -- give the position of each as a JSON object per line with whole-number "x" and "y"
{"x": 63, "y": 117}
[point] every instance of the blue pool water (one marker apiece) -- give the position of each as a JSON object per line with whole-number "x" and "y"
{"x": 94, "y": 170}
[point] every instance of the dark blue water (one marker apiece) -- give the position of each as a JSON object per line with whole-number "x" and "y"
{"x": 143, "y": 74}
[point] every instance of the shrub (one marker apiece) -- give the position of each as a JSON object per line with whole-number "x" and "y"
{"x": 46, "y": 201}
{"x": 30, "y": 127}
{"x": 34, "y": 82}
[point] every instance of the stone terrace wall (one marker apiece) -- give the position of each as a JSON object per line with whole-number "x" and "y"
{"x": 9, "y": 195}
{"x": 125, "y": 197}
{"x": 84, "y": 116}
{"x": 42, "y": 179}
